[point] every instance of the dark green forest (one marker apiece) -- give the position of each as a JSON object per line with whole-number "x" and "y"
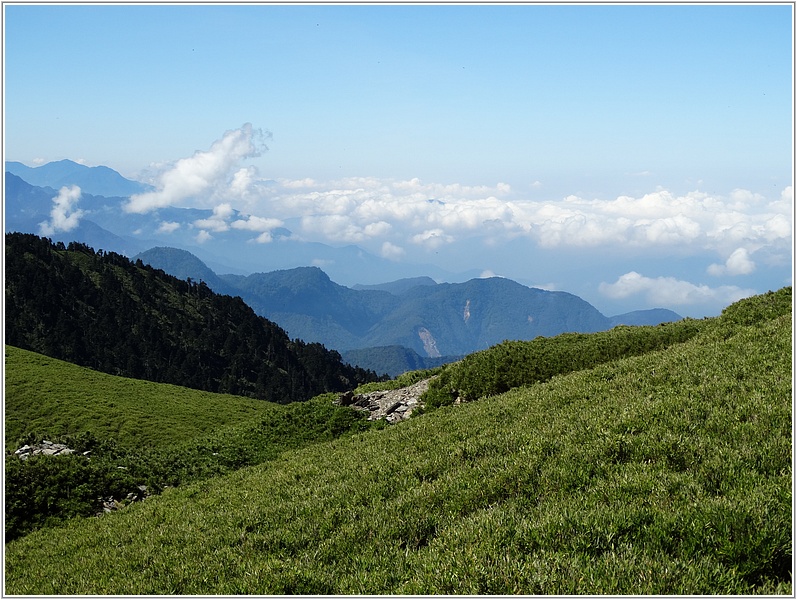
{"x": 100, "y": 310}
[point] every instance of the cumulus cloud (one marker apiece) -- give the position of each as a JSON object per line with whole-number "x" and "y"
{"x": 669, "y": 291}
{"x": 255, "y": 223}
{"x": 392, "y": 251}
{"x": 203, "y": 236}
{"x": 168, "y": 227}
{"x": 432, "y": 238}
{"x": 431, "y": 215}
{"x": 398, "y": 217}
{"x": 63, "y": 216}
{"x": 204, "y": 173}
{"x": 218, "y": 221}
{"x": 738, "y": 263}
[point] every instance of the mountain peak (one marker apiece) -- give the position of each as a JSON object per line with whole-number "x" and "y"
{"x": 398, "y": 287}
{"x": 99, "y": 181}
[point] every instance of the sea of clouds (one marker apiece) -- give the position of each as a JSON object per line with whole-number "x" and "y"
{"x": 394, "y": 218}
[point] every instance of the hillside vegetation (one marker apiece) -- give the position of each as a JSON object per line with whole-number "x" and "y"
{"x": 517, "y": 363}
{"x": 101, "y": 310}
{"x": 136, "y": 433}
{"x": 50, "y": 398}
{"x": 663, "y": 473}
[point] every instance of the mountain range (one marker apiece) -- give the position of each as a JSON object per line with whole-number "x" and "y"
{"x": 421, "y": 319}
{"x": 431, "y": 319}
{"x": 99, "y": 181}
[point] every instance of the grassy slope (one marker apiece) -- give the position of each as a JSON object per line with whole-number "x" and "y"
{"x": 660, "y": 474}
{"x": 54, "y": 398}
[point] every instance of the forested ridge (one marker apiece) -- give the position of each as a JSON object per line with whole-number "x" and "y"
{"x": 100, "y": 310}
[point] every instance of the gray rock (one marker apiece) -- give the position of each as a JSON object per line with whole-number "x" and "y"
{"x": 346, "y": 398}
{"x": 391, "y": 405}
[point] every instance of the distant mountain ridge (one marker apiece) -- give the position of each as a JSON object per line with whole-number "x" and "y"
{"x": 99, "y": 181}
{"x": 394, "y": 360}
{"x": 433, "y": 320}
{"x": 105, "y": 224}
{"x": 397, "y": 287}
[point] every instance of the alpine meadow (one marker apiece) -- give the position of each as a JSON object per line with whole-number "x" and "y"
{"x": 405, "y": 298}
{"x": 658, "y": 462}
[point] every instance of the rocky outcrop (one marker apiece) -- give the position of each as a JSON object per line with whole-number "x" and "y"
{"x": 391, "y": 405}
{"x": 105, "y": 505}
{"x": 109, "y": 504}
{"x": 45, "y": 447}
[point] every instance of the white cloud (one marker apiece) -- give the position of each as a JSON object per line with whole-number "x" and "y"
{"x": 354, "y": 210}
{"x": 668, "y": 291}
{"x": 307, "y": 182}
{"x": 202, "y": 174}
{"x": 385, "y": 215}
{"x": 392, "y": 251}
{"x": 550, "y": 286}
{"x": 63, "y": 216}
{"x": 264, "y": 238}
{"x": 168, "y": 227}
{"x": 243, "y": 181}
{"x": 378, "y": 229}
{"x": 344, "y": 228}
{"x": 218, "y": 221}
{"x": 255, "y": 223}
{"x": 432, "y": 238}
{"x": 203, "y": 236}
{"x": 738, "y": 263}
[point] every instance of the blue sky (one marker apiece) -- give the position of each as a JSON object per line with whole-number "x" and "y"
{"x": 647, "y": 147}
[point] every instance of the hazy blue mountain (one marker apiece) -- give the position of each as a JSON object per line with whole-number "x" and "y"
{"x": 393, "y": 360}
{"x": 398, "y": 287}
{"x": 432, "y": 320}
{"x": 94, "y": 236}
{"x": 101, "y": 181}
{"x": 27, "y": 205}
{"x": 459, "y": 318}
{"x": 309, "y": 305}
{"x": 653, "y": 316}
{"x": 183, "y": 264}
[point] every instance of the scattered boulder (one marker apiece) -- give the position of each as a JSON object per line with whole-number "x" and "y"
{"x": 346, "y": 398}
{"x": 106, "y": 505}
{"x": 110, "y": 504}
{"x": 46, "y": 448}
{"x": 391, "y": 405}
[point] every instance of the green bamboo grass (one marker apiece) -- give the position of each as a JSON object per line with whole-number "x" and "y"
{"x": 666, "y": 473}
